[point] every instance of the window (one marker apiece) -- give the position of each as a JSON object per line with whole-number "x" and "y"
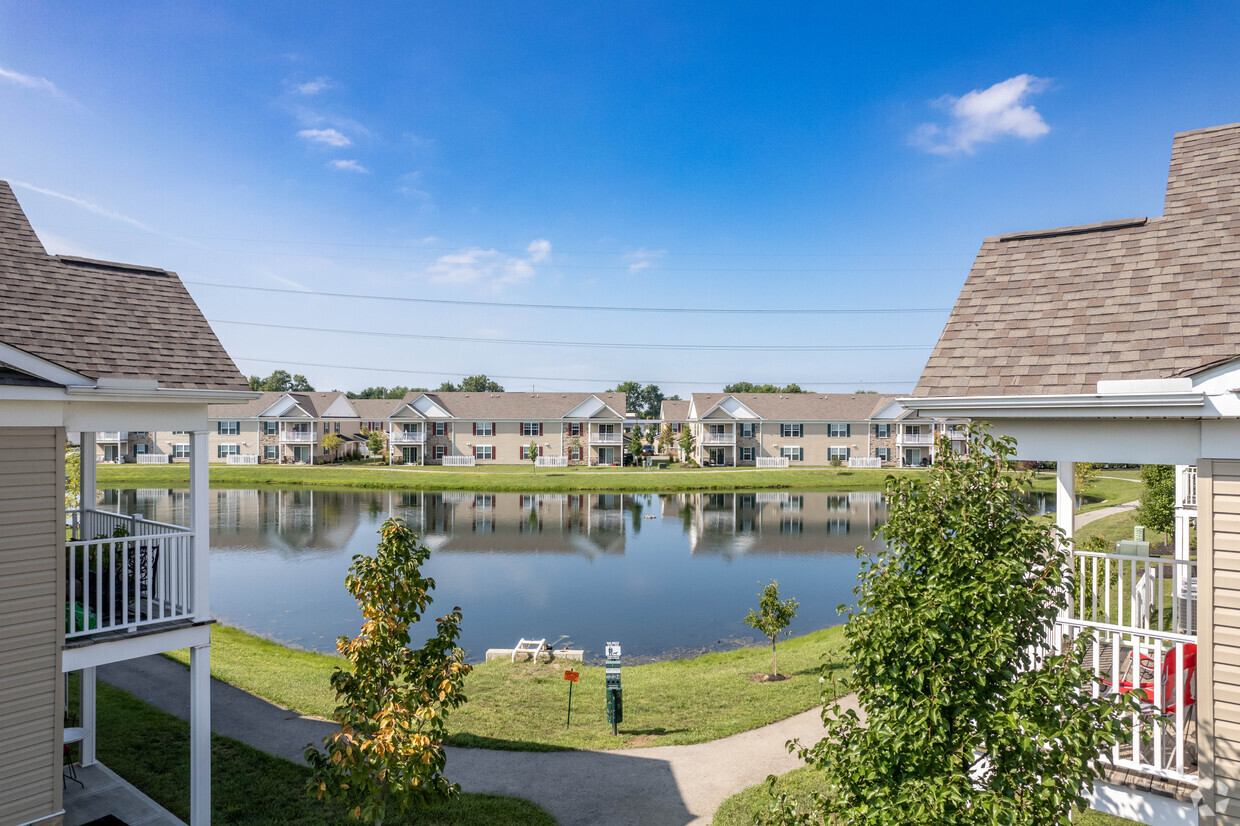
{"x": 882, "y": 431}
{"x": 840, "y": 453}
{"x": 575, "y": 454}
{"x": 139, "y": 433}
{"x": 139, "y": 450}
{"x": 439, "y": 451}
{"x": 484, "y": 500}
{"x": 883, "y": 453}
{"x": 574, "y": 429}
{"x": 525, "y": 452}
{"x": 838, "y": 526}
{"x": 746, "y": 454}
{"x": 271, "y": 428}
{"x": 531, "y": 429}
{"x": 337, "y": 427}
{"x": 180, "y": 451}
{"x": 484, "y": 452}
{"x": 839, "y": 431}
{"x": 441, "y": 428}
{"x": 179, "y": 432}
{"x": 792, "y": 454}
{"x": 747, "y": 430}
{"x": 484, "y": 428}
{"x": 222, "y": 451}
{"x": 228, "y": 428}
{"x": 791, "y": 431}
{"x": 271, "y": 452}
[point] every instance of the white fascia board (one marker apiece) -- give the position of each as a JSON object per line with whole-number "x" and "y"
{"x": 173, "y": 395}
{"x": 405, "y": 411}
{"x": 141, "y": 645}
{"x": 429, "y": 408}
{"x": 1142, "y": 405}
{"x": 737, "y": 409}
{"x": 41, "y": 368}
{"x": 282, "y": 407}
{"x": 340, "y": 409}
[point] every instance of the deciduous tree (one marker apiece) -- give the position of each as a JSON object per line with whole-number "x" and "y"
{"x": 686, "y": 443}
{"x": 393, "y": 700}
{"x": 772, "y": 618}
{"x": 1157, "y": 510}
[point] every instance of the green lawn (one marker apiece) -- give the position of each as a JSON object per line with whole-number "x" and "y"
{"x": 1111, "y": 491}
{"x": 150, "y": 749}
{"x": 742, "y": 808}
{"x": 504, "y": 478}
{"x": 523, "y": 706}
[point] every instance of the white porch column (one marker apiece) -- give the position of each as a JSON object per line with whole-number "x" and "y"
{"x": 199, "y": 522}
{"x": 87, "y": 476}
{"x": 1065, "y": 498}
{"x": 86, "y": 710}
{"x": 200, "y": 735}
{"x": 389, "y": 444}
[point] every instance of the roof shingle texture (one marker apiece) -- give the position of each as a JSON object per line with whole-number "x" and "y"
{"x": 1057, "y": 311}
{"x": 518, "y": 406}
{"x": 794, "y": 407}
{"x": 101, "y": 319}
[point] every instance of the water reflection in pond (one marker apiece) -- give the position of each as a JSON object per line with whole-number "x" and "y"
{"x": 661, "y": 573}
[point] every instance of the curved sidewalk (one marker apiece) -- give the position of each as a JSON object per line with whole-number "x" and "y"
{"x": 657, "y": 786}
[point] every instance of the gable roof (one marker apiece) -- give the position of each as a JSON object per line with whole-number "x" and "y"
{"x": 374, "y": 410}
{"x": 674, "y": 410}
{"x": 1057, "y": 311}
{"x": 515, "y": 406}
{"x": 315, "y": 404}
{"x": 839, "y": 407}
{"x": 101, "y": 319}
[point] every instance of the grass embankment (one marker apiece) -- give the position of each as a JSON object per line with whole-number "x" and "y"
{"x": 506, "y": 478}
{"x": 523, "y": 707}
{"x": 1109, "y": 491}
{"x": 147, "y": 747}
{"x": 741, "y": 808}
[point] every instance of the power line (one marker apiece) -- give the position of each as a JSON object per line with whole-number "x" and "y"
{"x": 585, "y": 307}
{"x": 617, "y": 345}
{"x": 402, "y": 372}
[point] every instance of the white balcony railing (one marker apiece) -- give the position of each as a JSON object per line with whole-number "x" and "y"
{"x": 1188, "y": 487}
{"x": 129, "y": 581}
{"x": 606, "y": 439}
{"x": 243, "y": 459}
{"x": 154, "y": 458}
{"x": 408, "y": 437}
{"x": 111, "y": 436}
{"x": 718, "y": 438}
{"x": 304, "y": 437}
{"x": 1141, "y": 614}
{"x": 771, "y": 461}
{"x": 915, "y": 439}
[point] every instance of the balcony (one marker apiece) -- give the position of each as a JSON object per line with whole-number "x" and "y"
{"x": 915, "y": 439}
{"x": 111, "y": 436}
{"x": 725, "y": 438}
{"x": 298, "y": 437}
{"x": 606, "y": 439}
{"x": 408, "y": 437}
{"x": 123, "y": 573}
{"x": 1186, "y": 487}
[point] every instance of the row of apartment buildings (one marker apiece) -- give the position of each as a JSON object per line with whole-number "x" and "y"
{"x": 739, "y": 429}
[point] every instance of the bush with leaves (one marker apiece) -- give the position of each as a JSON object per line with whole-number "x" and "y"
{"x": 1157, "y": 510}
{"x": 772, "y": 618}
{"x": 388, "y": 755}
{"x": 965, "y": 721}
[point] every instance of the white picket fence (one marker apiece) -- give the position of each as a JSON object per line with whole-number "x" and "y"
{"x": 243, "y": 459}
{"x": 865, "y": 462}
{"x": 551, "y": 461}
{"x": 154, "y": 458}
{"x": 458, "y": 461}
{"x": 772, "y": 461}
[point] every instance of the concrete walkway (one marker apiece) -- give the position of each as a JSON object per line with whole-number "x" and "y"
{"x": 659, "y": 786}
{"x": 1083, "y": 519}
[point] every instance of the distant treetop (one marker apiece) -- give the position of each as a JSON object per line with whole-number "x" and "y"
{"x": 397, "y": 392}
{"x": 750, "y": 387}
{"x": 471, "y": 384}
{"x": 281, "y": 382}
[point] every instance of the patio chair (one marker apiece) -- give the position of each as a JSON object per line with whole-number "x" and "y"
{"x": 1177, "y": 695}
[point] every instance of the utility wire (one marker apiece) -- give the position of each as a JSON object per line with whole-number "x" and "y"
{"x": 617, "y": 345}
{"x": 399, "y": 371}
{"x": 585, "y": 307}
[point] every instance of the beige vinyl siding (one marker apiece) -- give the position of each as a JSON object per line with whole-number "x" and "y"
{"x": 1218, "y": 676}
{"x": 31, "y": 617}
{"x": 506, "y": 441}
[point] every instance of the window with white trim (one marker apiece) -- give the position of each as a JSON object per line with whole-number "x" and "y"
{"x": 574, "y": 429}
{"x": 792, "y": 454}
{"x": 228, "y": 428}
{"x": 271, "y": 428}
{"x": 525, "y": 452}
{"x": 484, "y": 452}
{"x": 271, "y": 451}
{"x": 441, "y": 428}
{"x": 139, "y": 450}
{"x": 883, "y": 453}
{"x": 530, "y": 429}
{"x": 179, "y": 432}
{"x": 791, "y": 431}
{"x": 747, "y": 430}
{"x": 439, "y": 451}
{"x": 840, "y": 453}
{"x": 485, "y": 429}
{"x": 839, "y": 431}
{"x": 574, "y": 454}
{"x": 746, "y": 454}
{"x": 882, "y": 431}
{"x": 180, "y": 451}
{"x": 484, "y": 500}
{"x": 223, "y": 451}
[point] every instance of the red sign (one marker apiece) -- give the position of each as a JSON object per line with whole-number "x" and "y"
{"x": 572, "y": 676}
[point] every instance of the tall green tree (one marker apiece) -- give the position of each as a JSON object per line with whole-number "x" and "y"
{"x": 393, "y": 700}
{"x": 750, "y": 387}
{"x": 397, "y": 392}
{"x": 964, "y": 722}
{"x": 73, "y": 477}
{"x": 667, "y": 437}
{"x": 280, "y": 381}
{"x": 686, "y": 443}
{"x": 632, "y": 391}
{"x": 1157, "y": 510}
{"x": 772, "y": 618}
{"x": 651, "y": 401}
{"x": 635, "y": 442}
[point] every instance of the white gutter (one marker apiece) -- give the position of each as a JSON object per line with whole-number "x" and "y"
{"x": 1117, "y": 404}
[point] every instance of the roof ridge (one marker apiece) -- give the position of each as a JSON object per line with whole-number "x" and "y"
{"x": 1078, "y": 229}
{"x": 112, "y": 265}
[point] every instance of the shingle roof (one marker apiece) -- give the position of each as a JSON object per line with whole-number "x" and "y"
{"x": 1057, "y": 311}
{"x": 674, "y": 411}
{"x": 313, "y": 403}
{"x": 374, "y": 410}
{"x": 516, "y": 406}
{"x": 102, "y": 319}
{"x": 839, "y": 407}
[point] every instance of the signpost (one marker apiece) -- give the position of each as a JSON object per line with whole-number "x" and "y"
{"x": 615, "y": 694}
{"x": 572, "y": 677}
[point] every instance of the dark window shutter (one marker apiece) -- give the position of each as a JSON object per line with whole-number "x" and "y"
{"x": 848, "y": 430}
{"x": 475, "y": 451}
{"x": 475, "y": 428}
{"x": 540, "y": 450}
{"x": 493, "y": 430}
{"x": 540, "y": 432}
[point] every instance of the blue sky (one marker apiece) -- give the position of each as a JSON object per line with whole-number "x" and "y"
{"x": 704, "y": 155}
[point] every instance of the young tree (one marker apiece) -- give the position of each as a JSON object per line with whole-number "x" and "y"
{"x": 531, "y": 453}
{"x": 1157, "y": 510}
{"x": 388, "y": 755}
{"x": 73, "y": 477}
{"x": 331, "y": 443}
{"x": 667, "y": 437}
{"x": 635, "y": 443}
{"x": 1086, "y": 473}
{"x": 772, "y": 618}
{"x": 686, "y": 443}
{"x": 375, "y": 442}
{"x": 965, "y": 723}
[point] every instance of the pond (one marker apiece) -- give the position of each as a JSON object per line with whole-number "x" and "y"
{"x": 665, "y": 574}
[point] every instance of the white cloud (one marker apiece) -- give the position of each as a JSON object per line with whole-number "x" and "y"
{"x": 984, "y": 115}
{"x": 314, "y": 87}
{"x": 312, "y": 119}
{"x": 39, "y": 84}
{"x": 643, "y": 258}
{"x": 348, "y": 166}
{"x": 328, "y": 136}
{"x": 88, "y": 206}
{"x": 476, "y": 265}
